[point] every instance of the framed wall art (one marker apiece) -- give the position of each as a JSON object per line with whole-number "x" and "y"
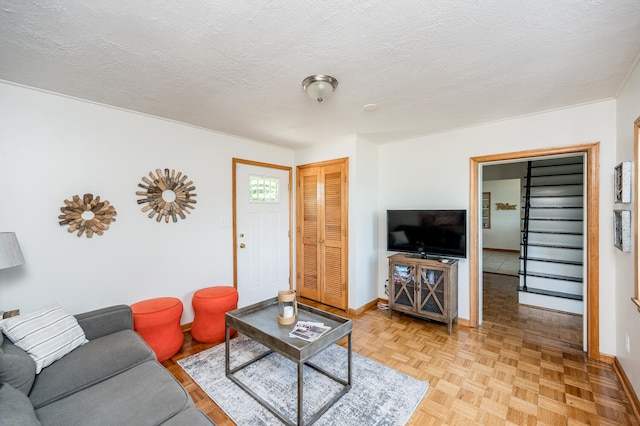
{"x": 486, "y": 210}
{"x": 622, "y": 182}
{"x": 622, "y": 229}
{"x": 167, "y": 195}
{"x": 87, "y": 215}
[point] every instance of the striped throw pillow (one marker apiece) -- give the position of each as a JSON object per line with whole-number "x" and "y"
{"x": 47, "y": 334}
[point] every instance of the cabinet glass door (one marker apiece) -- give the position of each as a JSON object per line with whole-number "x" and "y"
{"x": 431, "y": 289}
{"x": 403, "y": 286}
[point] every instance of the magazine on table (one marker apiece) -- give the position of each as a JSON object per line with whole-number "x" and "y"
{"x": 308, "y": 331}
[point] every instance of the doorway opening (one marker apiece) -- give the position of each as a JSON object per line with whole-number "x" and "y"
{"x": 591, "y": 170}
{"x": 533, "y": 257}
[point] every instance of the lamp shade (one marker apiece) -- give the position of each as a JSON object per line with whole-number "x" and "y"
{"x": 10, "y": 254}
{"x": 319, "y": 87}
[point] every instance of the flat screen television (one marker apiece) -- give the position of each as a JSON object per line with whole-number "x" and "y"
{"x": 429, "y": 233}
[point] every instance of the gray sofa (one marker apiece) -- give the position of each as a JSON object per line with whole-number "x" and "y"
{"x": 114, "y": 379}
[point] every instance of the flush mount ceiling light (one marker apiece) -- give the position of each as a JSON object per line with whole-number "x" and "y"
{"x": 319, "y": 87}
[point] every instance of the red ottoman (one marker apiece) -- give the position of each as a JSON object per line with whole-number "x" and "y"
{"x": 209, "y": 306}
{"x": 158, "y": 323}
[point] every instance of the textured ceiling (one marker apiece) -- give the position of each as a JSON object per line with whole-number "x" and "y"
{"x": 236, "y": 66}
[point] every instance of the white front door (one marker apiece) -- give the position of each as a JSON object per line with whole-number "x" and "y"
{"x": 262, "y": 232}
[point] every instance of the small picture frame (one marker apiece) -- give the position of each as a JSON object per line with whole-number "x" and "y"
{"x": 622, "y": 182}
{"x": 486, "y": 210}
{"x": 622, "y": 230}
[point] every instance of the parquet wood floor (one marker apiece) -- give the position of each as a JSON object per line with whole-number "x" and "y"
{"x": 523, "y": 366}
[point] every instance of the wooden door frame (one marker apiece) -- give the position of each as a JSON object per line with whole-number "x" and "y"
{"x": 234, "y": 164}
{"x": 592, "y": 169}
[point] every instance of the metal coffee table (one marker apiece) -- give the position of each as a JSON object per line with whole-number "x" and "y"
{"x": 259, "y": 322}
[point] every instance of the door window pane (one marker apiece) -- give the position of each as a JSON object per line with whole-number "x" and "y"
{"x": 264, "y": 189}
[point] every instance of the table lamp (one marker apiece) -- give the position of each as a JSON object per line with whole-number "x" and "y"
{"x": 10, "y": 254}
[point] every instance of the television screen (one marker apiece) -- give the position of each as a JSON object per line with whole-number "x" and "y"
{"x": 436, "y": 233}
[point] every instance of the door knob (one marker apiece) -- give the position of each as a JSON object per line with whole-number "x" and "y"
{"x": 242, "y": 245}
{"x": 241, "y": 235}
{"x": 321, "y": 241}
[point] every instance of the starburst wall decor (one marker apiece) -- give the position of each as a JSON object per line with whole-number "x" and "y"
{"x": 87, "y": 215}
{"x": 167, "y": 195}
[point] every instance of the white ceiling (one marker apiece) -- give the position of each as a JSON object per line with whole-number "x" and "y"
{"x": 236, "y": 66}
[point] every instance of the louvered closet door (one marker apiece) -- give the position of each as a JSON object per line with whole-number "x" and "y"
{"x": 308, "y": 233}
{"x": 333, "y": 256}
{"x": 322, "y": 233}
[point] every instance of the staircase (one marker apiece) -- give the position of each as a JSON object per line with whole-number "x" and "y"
{"x": 552, "y": 243}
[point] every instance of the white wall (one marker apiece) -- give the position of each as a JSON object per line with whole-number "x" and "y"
{"x": 626, "y": 314}
{"x": 504, "y": 233}
{"x": 364, "y": 227}
{"x": 433, "y": 172}
{"x": 53, "y": 147}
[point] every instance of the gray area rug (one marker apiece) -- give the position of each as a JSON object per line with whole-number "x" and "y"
{"x": 378, "y": 395}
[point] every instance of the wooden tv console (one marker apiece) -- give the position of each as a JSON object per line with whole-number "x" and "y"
{"x": 426, "y": 288}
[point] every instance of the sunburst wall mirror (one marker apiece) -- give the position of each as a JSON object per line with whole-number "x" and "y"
{"x": 87, "y": 215}
{"x": 167, "y": 195}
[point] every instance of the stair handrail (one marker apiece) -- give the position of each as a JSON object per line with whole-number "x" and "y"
{"x": 525, "y": 228}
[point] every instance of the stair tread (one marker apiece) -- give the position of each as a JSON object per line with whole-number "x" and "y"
{"x": 554, "y": 207}
{"x": 558, "y": 174}
{"x": 554, "y": 219}
{"x": 552, "y": 293}
{"x": 537, "y": 165}
{"x": 544, "y": 185}
{"x": 563, "y": 262}
{"x": 553, "y": 232}
{"x": 554, "y": 196}
{"x": 552, "y": 276}
{"x": 559, "y": 246}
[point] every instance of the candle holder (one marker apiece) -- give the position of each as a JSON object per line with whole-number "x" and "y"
{"x": 287, "y": 307}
